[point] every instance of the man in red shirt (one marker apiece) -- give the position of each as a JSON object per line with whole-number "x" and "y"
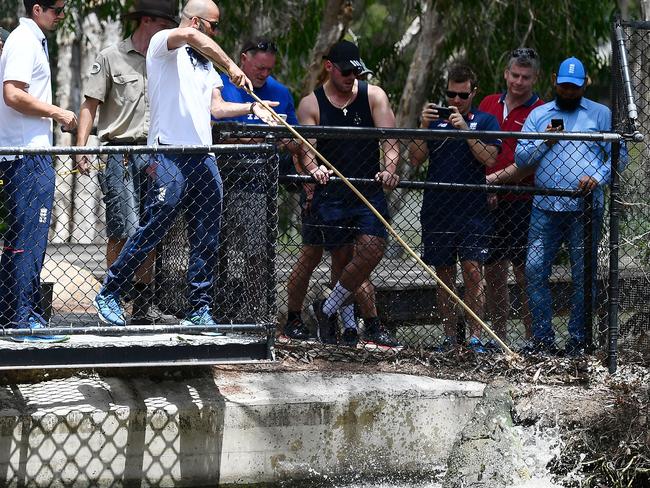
{"x": 511, "y": 212}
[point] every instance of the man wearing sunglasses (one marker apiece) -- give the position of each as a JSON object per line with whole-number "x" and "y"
{"x": 339, "y": 220}
{"x": 184, "y": 91}
{"x": 456, "y": 225}
{"x": 116, "y": 87}
{"x": 26, "y": 113}
{"x": 510, "y": 212}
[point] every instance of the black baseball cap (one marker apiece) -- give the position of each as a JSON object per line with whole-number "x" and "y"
{"x": 345, "y": 55}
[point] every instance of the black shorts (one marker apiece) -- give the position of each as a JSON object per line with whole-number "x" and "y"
{"x": 333, "y": 223}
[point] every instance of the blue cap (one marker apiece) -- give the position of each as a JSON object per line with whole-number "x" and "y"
{"x": 572, "y": 71}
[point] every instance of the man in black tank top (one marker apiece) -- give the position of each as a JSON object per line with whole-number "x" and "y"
{"x": 338, "y": 220}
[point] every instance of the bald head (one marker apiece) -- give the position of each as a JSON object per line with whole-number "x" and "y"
{"x": 201, "y": 8}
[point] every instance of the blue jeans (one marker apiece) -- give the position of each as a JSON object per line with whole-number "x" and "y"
{"x": 29, "y": 194}
{"x": 191, "y": 182}
{"x": 548, "y": 230}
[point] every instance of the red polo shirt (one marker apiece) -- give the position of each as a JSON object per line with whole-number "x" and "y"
{"x": 494, "y": 104}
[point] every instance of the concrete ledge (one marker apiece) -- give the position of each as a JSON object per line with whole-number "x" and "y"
{"x": 237, "y": 428}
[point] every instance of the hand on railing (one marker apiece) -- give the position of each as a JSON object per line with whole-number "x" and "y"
{"x": 388, "y": 180}
{"x": 321, "y": 174}
{"x": 587, "y": 183}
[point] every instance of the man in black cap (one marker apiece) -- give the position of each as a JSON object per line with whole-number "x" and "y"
{"x": 118, "y": 83}
{"x": 338, "y": 219}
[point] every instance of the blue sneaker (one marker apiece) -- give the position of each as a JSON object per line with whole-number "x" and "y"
{"x": 36, "y": 325}
{"x": 475, "y": 345}
{"x": 202, "y": 316}
{"x": 109, "y": 309}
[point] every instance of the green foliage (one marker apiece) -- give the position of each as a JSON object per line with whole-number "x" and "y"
{"x": 482, "y": 32}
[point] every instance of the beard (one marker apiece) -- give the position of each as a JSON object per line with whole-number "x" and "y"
{"x": 567, "y": 104}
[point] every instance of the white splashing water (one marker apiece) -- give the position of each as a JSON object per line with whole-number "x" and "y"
{"x": 540, "y": 446}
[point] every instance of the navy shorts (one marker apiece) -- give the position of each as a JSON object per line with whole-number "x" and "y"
{"x": 333, "y": 223}
{"x": 510, "y": 236}
{"x": 466, "y": 241}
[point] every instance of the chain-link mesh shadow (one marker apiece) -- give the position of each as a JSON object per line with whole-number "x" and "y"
{"x": 111, "y": 432}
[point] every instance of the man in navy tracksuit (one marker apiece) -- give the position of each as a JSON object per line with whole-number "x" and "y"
{"x": 26, "y": 112}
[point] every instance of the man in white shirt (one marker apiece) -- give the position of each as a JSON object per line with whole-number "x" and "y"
{"x": 184, "y": 90}
{"x": 26, "y": 112}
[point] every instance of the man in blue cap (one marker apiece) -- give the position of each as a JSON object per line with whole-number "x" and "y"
{"x": 580, "y": 165}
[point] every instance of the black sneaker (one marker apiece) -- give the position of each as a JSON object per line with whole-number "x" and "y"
{"x": 326, "y": 327}
{"x": 152, "y": 315}
{"x": 350, "y": 337}
{"x": 297, "y": 330}
{"x": 379, "y": 338}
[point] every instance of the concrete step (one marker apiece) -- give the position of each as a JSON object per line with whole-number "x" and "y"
{"x": 234, "y": 428}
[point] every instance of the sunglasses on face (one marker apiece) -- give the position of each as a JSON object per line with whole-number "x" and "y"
{"x": 461, "y": 95}
{"x": 214, "y": 24}
{"x": 349, "y": 71}
{"x": 57, "y": 10}
{"x": 523, "y": 52}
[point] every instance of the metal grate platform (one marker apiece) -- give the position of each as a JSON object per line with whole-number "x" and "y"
{"x": 141, "y": 350}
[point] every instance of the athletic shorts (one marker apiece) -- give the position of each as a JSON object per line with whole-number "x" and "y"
{"x": 124, "y": 186}
{"x": 466, "y": 241}
{"x": 333, "y": 223}
{"x": 510, "y": 235}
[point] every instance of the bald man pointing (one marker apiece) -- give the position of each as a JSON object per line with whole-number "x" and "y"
{"x": 184, "y": 89}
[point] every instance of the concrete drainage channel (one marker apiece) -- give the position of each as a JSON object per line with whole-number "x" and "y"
{"x": 260, "y": 429}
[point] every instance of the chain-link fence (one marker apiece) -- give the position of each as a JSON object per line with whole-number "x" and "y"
{"x": 196, "y": 231}
{"x": 470, "y": 233}
{"x": 528, "y": 255}
{"x": 631, "y": 224}
{"x": 528, "y": 260}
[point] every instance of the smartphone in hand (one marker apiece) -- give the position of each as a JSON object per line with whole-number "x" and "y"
{"x": 557, "y": 124}
{"x": 443, "y": 112}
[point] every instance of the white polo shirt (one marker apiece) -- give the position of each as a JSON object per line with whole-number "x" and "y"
{"x": 180, "y": 94}
{"x": 24, "y": 58}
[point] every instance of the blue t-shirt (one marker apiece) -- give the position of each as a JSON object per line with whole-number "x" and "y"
{"x": 452, "y": 161}
{"x": 272, "y": 90}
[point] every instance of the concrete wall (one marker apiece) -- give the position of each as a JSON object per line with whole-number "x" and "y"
{"x": 239, "y": 428}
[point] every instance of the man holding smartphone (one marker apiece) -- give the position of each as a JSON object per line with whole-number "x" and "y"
{"x": 456, "y": 225}
{"x": 577, "y": 165}
{"x": 510, "y": 212}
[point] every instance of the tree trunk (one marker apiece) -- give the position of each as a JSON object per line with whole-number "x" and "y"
{"x": 416, "y": 88}
{"x": 336, "y": 18}
{"x": 418, "y": 81}
{"x": 645, "y": 9}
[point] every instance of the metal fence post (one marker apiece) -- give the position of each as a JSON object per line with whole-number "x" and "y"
{"x": 588, "y": 269}
{"x": 272, "y": 174}
{"x": 613, "y": 288}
